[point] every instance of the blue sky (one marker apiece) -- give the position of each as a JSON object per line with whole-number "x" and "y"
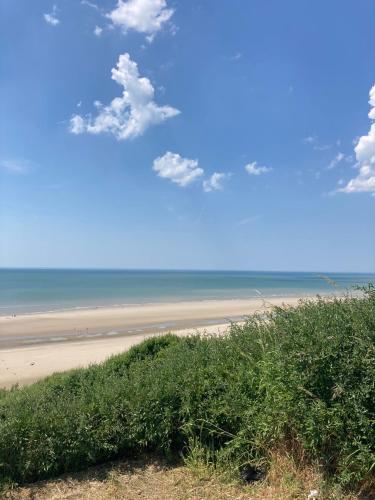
{"x": 236, "y": 134}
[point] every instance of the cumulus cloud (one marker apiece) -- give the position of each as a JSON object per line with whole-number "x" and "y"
{"x": 51, "y": 18}
{"x": 364, "y": 182}
{"x": 254, "y": 169}
{"x": 131, "y": 114}
{"x": 184, "y": 171}
{"x": 181, "y": 171}
{"x": 215, "y": 182}
{"x": 144, "y": 16}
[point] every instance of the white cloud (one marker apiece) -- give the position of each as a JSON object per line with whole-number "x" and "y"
{"x": 179, "y": 170}
{"x": 98, "y": 31}
{"x": 364, "y": 182}
{"x": 77, "y": 125}
{"x": 254, "y": 169}
{"x": 131, "y": 114}
{"x": 371, "y": 114}
{"x": 215, "y": 182}
{"x": 184, "y": 171}
{"x": 51, "y": 18}
{"x": 16, "y": 166}
{"x": 144, "y": 16}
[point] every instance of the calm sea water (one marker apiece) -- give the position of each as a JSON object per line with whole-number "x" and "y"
{"x": 32, "y": 290}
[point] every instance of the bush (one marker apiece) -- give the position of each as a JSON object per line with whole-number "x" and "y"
{"x": 148, "y": 349}
{"x": 298, "y": 378}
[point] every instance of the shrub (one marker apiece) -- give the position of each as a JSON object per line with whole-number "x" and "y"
{"x": 148, "y": 349}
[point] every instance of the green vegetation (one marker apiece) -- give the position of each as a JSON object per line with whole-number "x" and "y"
{"x": 296, "y": 379}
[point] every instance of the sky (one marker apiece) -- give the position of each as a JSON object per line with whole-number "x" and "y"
{"x": 200, "y": 134}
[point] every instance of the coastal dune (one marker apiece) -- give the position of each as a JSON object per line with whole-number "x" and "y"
{"x": 33, "y": 346}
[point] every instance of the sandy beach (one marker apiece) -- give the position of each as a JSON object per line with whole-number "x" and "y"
{"x": 33, "y": 346}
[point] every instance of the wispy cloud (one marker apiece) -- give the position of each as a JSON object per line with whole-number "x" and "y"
{"x": 364, "y": 182}
{"x": 340, "y": 157}
{"x": 16, "y": 166}
{"x": 51, "y": 17}
{"x": 131, "y": 114}
{"x": 90, "y": 4}
{"x": 310, "y": 139}
{"x": 98, "y": 31}
{"x": 322, "y": 147}
{"x": 313, "y": 141}
{"x": 248, "y": 220}
{"x": 237, "y": 56}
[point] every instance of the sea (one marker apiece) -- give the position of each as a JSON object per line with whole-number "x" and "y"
{"x": 40, "y": 290}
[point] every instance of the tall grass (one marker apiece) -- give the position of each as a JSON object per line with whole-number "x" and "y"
{"x": 300, "y": 379}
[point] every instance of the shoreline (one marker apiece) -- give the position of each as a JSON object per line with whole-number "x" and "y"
{"x": 78, "y": 324}
{"x": 7, "y": 312}
{"x": 33, "y": 347}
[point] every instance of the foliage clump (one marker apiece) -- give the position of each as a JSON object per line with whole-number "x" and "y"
{"x": 298, "y": 378}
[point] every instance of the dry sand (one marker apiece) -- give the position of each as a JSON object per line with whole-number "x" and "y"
{"x": 24, "y": 365}
{"x": 36, "y": 345}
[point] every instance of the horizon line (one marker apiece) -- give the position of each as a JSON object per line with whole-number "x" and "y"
{"x": 47, "y": 268}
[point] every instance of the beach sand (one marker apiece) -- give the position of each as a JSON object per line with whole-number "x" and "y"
{"x": 33, "y": 346}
